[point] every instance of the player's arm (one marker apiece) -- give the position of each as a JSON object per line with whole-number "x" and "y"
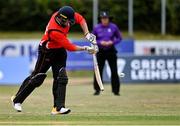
{"x": 80, "y": 20}
{"x": 65, "y": 43}
{"x": 117, "y": 35}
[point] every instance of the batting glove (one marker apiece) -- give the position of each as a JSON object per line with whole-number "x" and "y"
{"x": 91, "y": 37}
{"x": 90, "y": 50}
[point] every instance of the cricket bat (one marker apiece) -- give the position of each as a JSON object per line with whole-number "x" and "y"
{"x": 96, "y": 70}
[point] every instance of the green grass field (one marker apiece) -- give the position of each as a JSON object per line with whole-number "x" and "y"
{"x": 146, "y": 104}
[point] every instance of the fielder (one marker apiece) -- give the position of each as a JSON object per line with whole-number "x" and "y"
{"x": 52, "y": 53}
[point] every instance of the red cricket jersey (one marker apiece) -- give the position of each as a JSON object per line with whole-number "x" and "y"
{"x": 56, "y": 36}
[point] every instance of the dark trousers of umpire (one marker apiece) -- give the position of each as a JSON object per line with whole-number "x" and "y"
{"x": 111, "y": 57}
{"x": 54, "y": 58}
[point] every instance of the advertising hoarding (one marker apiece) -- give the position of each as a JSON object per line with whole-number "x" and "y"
{"x": 147, "y": 69}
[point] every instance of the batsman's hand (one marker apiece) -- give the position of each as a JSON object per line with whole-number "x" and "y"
{"x": 90, "y": 50}
{"x": 91, "y": 37}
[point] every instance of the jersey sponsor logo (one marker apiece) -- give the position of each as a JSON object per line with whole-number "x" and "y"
{"x": 109, "y": 30}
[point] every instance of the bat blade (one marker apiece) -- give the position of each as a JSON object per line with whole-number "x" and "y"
{"x": 97, "y": 74}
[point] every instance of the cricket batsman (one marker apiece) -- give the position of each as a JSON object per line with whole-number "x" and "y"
{"x": 52, "y": 53}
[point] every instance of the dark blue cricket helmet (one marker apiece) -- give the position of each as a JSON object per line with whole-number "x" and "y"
{"x": 67, "y": 12}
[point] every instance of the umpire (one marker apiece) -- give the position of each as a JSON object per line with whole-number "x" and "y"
{"x": 52, "y": 53}
{"x": 107, "y": 34}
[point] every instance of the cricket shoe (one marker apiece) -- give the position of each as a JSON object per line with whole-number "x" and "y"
{"x": 16, "y": 106}
{"x": 61, "y": 111}
{"x": 97, "y": 93}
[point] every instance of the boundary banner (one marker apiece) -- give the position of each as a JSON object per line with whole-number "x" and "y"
{"x": 76, "y": 60}
{"x": 13, "y": 70}
{"x": 155, "y": 47}
{"x": 147, "y": 69}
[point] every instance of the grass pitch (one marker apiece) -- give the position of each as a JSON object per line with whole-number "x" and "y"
{"x": 153, "y": 104}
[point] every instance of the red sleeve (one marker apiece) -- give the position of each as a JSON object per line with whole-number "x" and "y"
{"x": 79, "y": 18}
{"x": 61, "y": 40}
